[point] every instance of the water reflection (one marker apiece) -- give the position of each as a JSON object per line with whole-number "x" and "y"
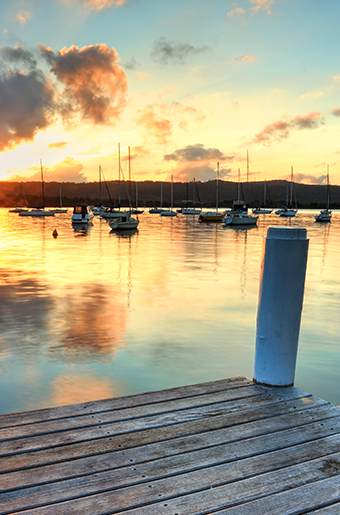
{"x": 81, "y": 229}
{"x": 172, "y": 303}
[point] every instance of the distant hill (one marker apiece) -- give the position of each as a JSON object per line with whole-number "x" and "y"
{"x": 149, "y": 193}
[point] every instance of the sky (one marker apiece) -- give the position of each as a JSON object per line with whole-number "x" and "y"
{"x": 179, "y": 85}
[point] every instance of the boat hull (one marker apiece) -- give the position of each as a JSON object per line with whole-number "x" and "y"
{"x": 168, "y": 213}
{"x": 37, "y": 212}
{"x": 239, "y": 219}
{"x": 211, "y": 216}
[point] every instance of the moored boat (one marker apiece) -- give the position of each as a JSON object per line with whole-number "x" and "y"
{"x": 213, "y": 216}
{"x": 37, "y": 212}
{"x": 82, "y": 214}
{"x": 124, "y": 222}
{"x": 234, "y": 218}
{"x": 325, "y": 215}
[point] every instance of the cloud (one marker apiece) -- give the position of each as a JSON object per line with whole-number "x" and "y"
{"x": 95, "y": 85}
{"x": 23, "y": 17}
{"x": 235, "y": 11}
{"x": 131, "y": 65}
{"x": 98, "y": 5}
{"x": 18, "y": 54}
{"x": 336, "y": 78}
{"x": 195, "y": 153}
{"x": 60, "y": 144}
{"x": 199, "y": 162}
{"x": 246, "y": 58}
{"x": 281, "y": 129}
{"x": 310, "y": 179}
{"x": 26, "y": 107}
{"x": 86, "y": 84}
{"x": 263, "y": 5}
{"x": 158, "y": 119}
{"x": 203, "y": 172}
{"x": 171, "y": 52}
{"x": 311, "y": 95}
{"x": 153, "y": 119}
{"x": 68, "y": 170}
{"x": 336, "y": 111}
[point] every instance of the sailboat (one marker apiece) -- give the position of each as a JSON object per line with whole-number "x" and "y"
{"x": 158, "y": 209}
{"x": 99, "y": 210}
{"x": 170, "y": 212}
{"x": 239, "y": 213}
{"x": 213, "y": 216}
{"x": 112, "y": 212}
{"x": 39, "y": 211}
{"x": 325, "y": 215}
{"x": 288, "y": 211}
{"x": 60, "y": 209}
{"x": 191, "y": 209}
{"x": 263, "y": 210}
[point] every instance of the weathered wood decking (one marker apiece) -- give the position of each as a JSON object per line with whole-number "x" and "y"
{"x": 226, "y": 447}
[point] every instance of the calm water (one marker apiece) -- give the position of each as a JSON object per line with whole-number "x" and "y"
{"x": 93, "y": 315}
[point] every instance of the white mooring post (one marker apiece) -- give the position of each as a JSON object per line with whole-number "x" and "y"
{"x": 283, "y": 272}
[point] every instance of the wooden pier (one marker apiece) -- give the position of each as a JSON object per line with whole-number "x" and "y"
{"x": 225, "y": 447}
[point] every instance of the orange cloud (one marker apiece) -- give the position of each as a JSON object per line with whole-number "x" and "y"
{"x": 235, "y": 11}
{"x": 60, "y": 144}
{"x": 68, "y": 170}
{"x": 98, "y": 5}
{"x": 281, "y": 129}
{"x": 95, "y": 84}
{"x": 23, "y": 17}
{"x": 152, "y": 118}
{"x": 264, "y": 5}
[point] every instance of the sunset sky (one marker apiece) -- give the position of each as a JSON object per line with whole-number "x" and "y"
{"x": 184, "y": 83}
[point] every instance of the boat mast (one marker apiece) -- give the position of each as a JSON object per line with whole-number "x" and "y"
{"x": 291, "y": 188}
{"x": 100, "y": 185}
{"x": 247, "y": 166}
{"x": 42, "y": 182}
{"x": 161, "y": 194}
{"x": 217, "y": 174}
{"x": 130, "y": 173}
{"x": 328, "y": 187}
{"x": 194, "y": 191}
{"x": 119, "y": 175}
{"x": 172, "y": 192}
{"x": 238, "y": 185}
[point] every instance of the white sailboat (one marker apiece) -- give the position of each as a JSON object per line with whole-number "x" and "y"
{"x": 39, "y": 211}
{"x": 289, "y": 211}
{"x": 325, "y": 215}
{"x": 170, "y": 212}
{"x": 239, "y": 213}
{"x": 158, "y": 209}
{"x": 263, "y": 210}
{"x": 213, "y": 216}
{"x": 112, "y": 212}
{"x": 191, "y": 209}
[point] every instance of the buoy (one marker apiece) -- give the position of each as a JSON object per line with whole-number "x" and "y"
{"x": 55, "y": 233}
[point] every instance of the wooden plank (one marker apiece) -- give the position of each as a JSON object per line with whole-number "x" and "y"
{"x": 180, "y": 475}
{"x": 334, "y": 509}
{"x": 205, "y": 418}
{"x": 181, "y": 449}
{"x": 236, "y": 398}
{"x": 141, "y": 399}
{"x": 197, "y": 435}
{"x": 309, "y": 484}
